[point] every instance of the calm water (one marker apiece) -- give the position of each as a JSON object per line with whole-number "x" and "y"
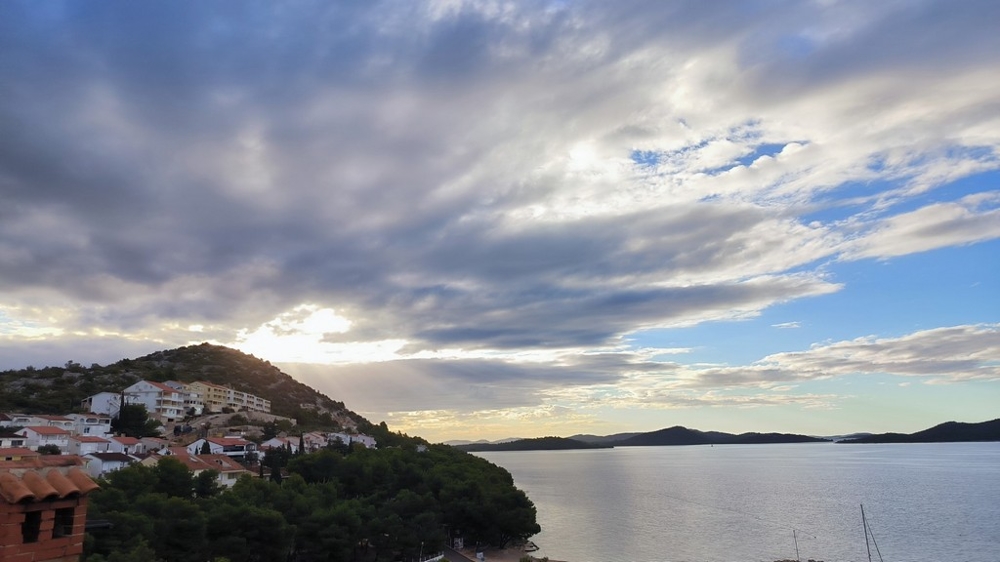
{"x": 744, "y": 503}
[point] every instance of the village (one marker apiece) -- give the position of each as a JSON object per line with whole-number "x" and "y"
{"x": 49, "y": 463}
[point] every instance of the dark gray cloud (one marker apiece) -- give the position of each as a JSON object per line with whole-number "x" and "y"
{"x": 460, "y": 176}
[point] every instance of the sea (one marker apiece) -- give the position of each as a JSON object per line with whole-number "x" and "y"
{"x": 746, "y": 503}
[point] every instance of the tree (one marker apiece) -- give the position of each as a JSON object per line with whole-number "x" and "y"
{"x": 173, "y": 478}
{"x": 206, "y": 449}
{"x": 134, "y": 421}
{"x": 206, "y": 484}
{"x": 49, "y": 450}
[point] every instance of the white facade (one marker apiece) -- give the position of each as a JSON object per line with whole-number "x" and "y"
{"x": 96, "y": 425}
{"x": 235, "y": 447}
{"x": 190, "y": 396}
{"x": 39, "y": 436}
{"x": 99, "y": 464}
{"x": 160, "y": 400}
{"x": 350, "y": 439}
{"x": 107, "y": 403}
{"x": 85, "y": 445}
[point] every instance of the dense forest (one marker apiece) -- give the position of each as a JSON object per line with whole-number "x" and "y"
{"x": 333, "y": 505}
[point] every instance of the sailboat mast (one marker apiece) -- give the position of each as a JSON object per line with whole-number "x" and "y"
{"x": 864, "y": 523}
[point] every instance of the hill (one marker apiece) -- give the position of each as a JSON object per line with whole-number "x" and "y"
{"x": 679, "y": 435}
{"x": 536, "y": 444}
{"x": 59, "y": 390}
{"x": 588, "y": 438}
{"x": 941, "y": 433}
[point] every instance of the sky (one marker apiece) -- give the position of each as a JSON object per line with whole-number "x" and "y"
{"x": 482, "y": 220}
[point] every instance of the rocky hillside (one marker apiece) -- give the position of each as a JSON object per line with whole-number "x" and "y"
{"x": 60, "y": 389}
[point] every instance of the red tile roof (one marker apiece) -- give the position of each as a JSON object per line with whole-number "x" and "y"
{"x": 35, "y": 485}
{"x": 88, "y": 439}
{"x": 126, "y": 440}
{"x": 47, "y": 430}
{"x": 18, "y": 452}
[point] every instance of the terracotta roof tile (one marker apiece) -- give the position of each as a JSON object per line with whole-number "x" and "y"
{"x": 12, "y": 490}
{"x": 32, "y": 486}
{"x": 47, "y": 430}
{"x": 41, "y": 489}
{"x": 18, "y": 452}
{"x": 88, "y": 439}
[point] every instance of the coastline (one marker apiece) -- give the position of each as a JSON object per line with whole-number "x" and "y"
{"x": 510, "y": 554}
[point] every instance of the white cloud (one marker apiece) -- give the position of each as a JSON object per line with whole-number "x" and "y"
{"x": 973, "y": 218}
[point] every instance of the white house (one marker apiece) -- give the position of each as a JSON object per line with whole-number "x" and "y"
{"x": 125, "y": 445}
{"x": 281, "y": 443}
{"x": 12, "y": 441}
{"x": 352, "y": 438}
{"x": 16, "y": 420}
{"x": 235, "y": 447}
{"x": 24, "y": 420}
{"x": 95, "y": 425}
{"x": 87, "y": 444}
{"x": 62, "y": 422}
{"x": 40, "y": 435}
{"x": 107, "y": 403}
{"x": 160, "y": 400}
{"x": 99, "y": 464}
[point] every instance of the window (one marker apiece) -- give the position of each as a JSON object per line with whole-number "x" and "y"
{"x": 63, "y": 523}
{"x": 32, "y": 524}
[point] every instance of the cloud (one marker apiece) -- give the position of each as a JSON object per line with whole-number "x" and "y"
{"x": 461, "y": 185}
{"x": 952, "y": 354}
{"x": 973, "y": 218}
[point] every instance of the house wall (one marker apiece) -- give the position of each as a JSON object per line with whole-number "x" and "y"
{"x": 64, "y": 544}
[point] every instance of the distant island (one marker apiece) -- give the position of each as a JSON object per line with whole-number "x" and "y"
{"x": 671, "y": 436}
{"x": 948, "y": 432}
{"x": 679, "y": 435}
{"x": 536, "y": 444}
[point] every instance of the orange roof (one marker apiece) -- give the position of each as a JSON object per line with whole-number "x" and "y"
{"x": 197, "y": 463}
{"x": 42, "y": 461}
{"x": 47, "y": 430}
{"x": 161, "y": 386}
{"x": 124, "y": 440}
{"x": 88, "y": 439}
{"x": 34, "y": 485}
{"x": 211, "y": 384}
{"x": 18, "y": 452}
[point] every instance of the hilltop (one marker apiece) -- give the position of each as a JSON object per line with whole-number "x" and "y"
{"x": 59, "y": 390}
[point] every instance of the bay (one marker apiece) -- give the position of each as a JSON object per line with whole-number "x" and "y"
{"x": 745, "y": 503}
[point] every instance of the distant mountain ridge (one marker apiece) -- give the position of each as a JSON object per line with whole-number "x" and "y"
{"x": 948, "y": 432}
{"x": 535, "y": 444}
{"x": 670, "y": 436}
{"x": 679, "y": 435}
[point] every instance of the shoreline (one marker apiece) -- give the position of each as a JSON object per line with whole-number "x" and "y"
{"x": 510, "y": 554}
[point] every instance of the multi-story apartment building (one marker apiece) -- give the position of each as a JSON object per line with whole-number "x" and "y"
{"x": 213, "y": 396}
{"x": 160, "y": 400}
{"x": 194, "y": 401}
{"x": 216, "y": 397}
